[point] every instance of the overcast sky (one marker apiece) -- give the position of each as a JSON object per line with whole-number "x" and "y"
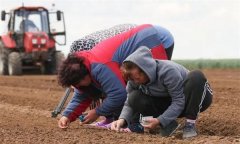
{"x": 206, "y": 29}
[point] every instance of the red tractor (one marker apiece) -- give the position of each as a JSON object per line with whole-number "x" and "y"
{"x": 29, "y": 42}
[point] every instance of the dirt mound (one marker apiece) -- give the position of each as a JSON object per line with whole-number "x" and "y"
{"x": 26, "y": 103}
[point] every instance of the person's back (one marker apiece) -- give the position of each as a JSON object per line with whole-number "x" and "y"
{"x": 89, "y": 41}
{"x": 117, "y": 48}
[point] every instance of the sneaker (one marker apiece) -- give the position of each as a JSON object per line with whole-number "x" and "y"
{"x": 104, "y": 123}
{"x": 189, "y": 130}
{"x": 169, "y": 129}
{"x": 136, "y": 127}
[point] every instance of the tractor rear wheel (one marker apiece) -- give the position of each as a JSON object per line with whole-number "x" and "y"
{"x": 14, "y": 64}
{"x": 3, "y": 60}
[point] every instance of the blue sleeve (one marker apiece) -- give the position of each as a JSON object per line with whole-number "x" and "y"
{"x": 77, "y": 105}
{"x": 112, "y": 87}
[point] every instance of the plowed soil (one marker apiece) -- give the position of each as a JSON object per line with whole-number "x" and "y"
{"x": 26, "y": 103}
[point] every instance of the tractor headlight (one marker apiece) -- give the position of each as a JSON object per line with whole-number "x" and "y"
{"x": 34, "y": 41}
{"x": 43, "y": 41}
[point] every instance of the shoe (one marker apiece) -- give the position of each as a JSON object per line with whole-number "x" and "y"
{"x": 136, "y": 127}
{"x": 169, "y": 129}
{"x": 189, "y": 130}
{"x": 104, "y": 123}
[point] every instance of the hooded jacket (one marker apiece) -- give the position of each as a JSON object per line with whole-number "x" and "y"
{"x": 104, "y": 61}
{"x": 166, "y": 80}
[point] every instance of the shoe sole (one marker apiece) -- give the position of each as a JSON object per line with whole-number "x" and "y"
{"x": 190, "y": 137}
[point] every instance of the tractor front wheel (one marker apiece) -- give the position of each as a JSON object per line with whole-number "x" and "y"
{"x": 59, "y": 58}
{"x": 51, "y": 67}
{"x": 14, "y": 64}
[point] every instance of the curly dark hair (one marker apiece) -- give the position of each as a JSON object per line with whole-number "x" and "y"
{"x": 72, "y": 71}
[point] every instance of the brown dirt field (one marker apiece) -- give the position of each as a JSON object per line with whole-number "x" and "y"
{"x": 26, "y": 103}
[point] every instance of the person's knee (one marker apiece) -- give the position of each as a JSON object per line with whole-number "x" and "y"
{"x": 137, "y": 100}
{"x": 134, "y": 97}
{"x": 207, "y": 101}
{"x": 196, "y": 77}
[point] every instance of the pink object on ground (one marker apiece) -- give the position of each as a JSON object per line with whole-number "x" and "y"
{"x": 104, "y": 123}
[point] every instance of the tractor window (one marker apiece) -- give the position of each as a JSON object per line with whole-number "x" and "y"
{"x": 17, "y": 23}
{"x": 56, "y": 25}
{"x": 35, "y": 23}
{"x": 31, "y": 21}
{"x": 5, "y": 25}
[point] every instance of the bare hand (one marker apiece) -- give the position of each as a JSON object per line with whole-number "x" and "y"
{"x": 152, "y": 123}
{"x": 117, "y": 125}
{"x": 63, "y": 122}
{"x": 90, "y": 116}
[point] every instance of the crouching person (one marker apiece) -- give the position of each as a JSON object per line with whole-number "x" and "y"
{"x": 77, "y": 71}
{"x": 165, "y": 90}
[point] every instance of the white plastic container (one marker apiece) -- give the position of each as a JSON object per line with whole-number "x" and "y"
{"x": 144, "y": 120}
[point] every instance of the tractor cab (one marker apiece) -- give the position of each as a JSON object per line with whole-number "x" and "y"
{"x": 32, "y": 33}
{"x": 30, "y": 21}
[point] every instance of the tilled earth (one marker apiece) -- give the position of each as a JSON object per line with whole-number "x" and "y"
{"x": 26, "y": 103}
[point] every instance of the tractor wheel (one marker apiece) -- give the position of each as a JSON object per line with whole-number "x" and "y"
{"x": 51, "y": 67}
{"x": 3, "y": 60}
{"x": 14, "y": 64}
{"x": 59, "y": 58}
{"x": 44, "y": 68}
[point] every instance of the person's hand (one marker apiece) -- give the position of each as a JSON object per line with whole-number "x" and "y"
{"x": 152, "y": 123}
{"x": 63, "y": 122}
{"x": 90, "y": 116}
{"x": 117, "y": 125}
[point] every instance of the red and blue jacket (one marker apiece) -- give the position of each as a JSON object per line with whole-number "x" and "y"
{"x": 104, "y": 61}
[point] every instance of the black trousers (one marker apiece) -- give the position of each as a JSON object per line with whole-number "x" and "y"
{"x": 198, "y": 97}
